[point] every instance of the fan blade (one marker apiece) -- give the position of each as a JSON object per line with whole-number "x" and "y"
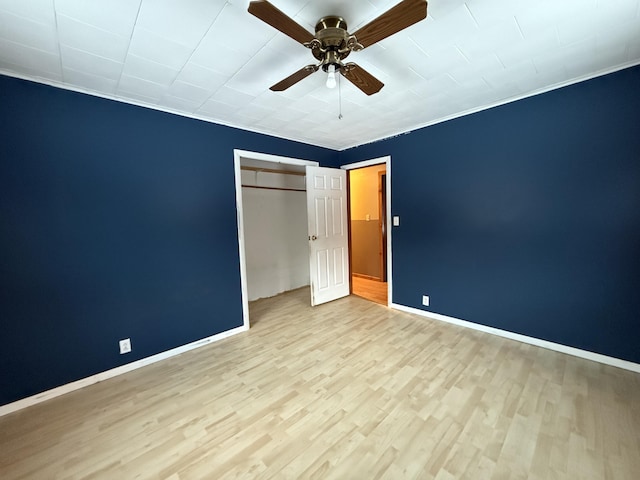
{"x": 279, "y": 20}
{"x": 403, "y": 15}
{"x": 361, "y": 78}
{"x": 303, "y": 73}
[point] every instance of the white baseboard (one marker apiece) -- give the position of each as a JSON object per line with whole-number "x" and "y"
{"x": 576, "y": 352}
{"x": 99, "y": 377}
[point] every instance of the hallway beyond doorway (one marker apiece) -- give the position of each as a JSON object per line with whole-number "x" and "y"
{"x": 373, "y": 290}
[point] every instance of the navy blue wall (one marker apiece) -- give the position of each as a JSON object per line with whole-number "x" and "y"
{"x": 116, "y": 221}
{"x": 119, "y": 221}
{"x": 526, "y": 217}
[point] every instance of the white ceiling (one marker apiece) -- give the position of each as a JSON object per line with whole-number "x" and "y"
{"x": 211, "y": 59}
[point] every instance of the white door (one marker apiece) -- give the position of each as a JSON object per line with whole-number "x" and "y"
{"x": 328, "y": 234}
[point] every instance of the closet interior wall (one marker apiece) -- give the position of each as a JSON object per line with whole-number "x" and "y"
{"x": 275, "y": 227}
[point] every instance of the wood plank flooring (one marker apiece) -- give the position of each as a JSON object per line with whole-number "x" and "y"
{"x": 373, "y": 290}
{"x": 346, "y": 390}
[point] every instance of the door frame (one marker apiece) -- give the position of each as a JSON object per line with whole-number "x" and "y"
{"x": 382, "y": 213}
{"x": 368, "y": 163}
{"x": 238, "y": 156}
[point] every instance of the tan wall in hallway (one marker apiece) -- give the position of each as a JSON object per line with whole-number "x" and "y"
{"x": 365, "y": 231}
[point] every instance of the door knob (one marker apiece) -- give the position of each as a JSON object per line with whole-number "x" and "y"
{"x": 313, "y": 237}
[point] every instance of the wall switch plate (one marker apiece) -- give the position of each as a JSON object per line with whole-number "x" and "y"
{"x": 396, "y": 221}
{"x": 125, "y": 346}
{"x": 425, "y": 300}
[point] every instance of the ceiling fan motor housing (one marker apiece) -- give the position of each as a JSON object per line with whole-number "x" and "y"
{"x": 331, "y": 33}
{"x": 332, "y": 43}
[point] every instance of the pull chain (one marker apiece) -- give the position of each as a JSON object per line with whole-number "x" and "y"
{"x": 339, "y": 97}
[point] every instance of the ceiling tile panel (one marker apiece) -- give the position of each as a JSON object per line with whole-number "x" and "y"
{"x": 292, "y": 8}
{"x": 268, "y": 100}
{"x": 392, "y": 55}
{"x": 624, "y": 32}
{"x": 478, "y": 68}
{"x": 572, "y": 31}
{"x": 551, "y": 69}
{"x": 439, "y": 10}
{"x": 441, "y": 61}
{"x": 616, "y": 11}
{"x": 264, "y": 70}
{"x": 633, "y": 49}
{"x": 451, "y": 29}
{"x": 36, "y": 10}
{"x": 34, "y": 34}
{"x": 270, "y": 124}
{"x": 435, "y": 85}
{"x": 311, "y": 104}
{"x": 216, "y": 109}
{"x": 149, "y": 45}
{"x": 136, "y": 98}
{"x": 180, "y": 104}
{"x": 86, "y": 62}
{"x": 189, "y": 92}
{"x": 31, "y": 58}
{"x": 491, "y": 39}
{"x": 231, "y": 21}
{"x": 613, "y": 48}
{"x": 543, "y": 14}
{"x": 184, "y": 22}
{"x": 116, "y": 16}
{"x": 219, "y": 58}
{"x": 253, "y": 114}
{"x": 91, "y": 82}
{"x": 200, "y": 76}
{"x": 139, "y": 67}
{"x": 286, "y": 45}
{"x": 140, "y": 88}
{"x": 537, "y": 45}
{"x": 411, "y": 79}
{"x": 489, "y": 12}
{"x": 232, "y": 97}
{"x": 83, "y": 36}
{"x": 37, "y": 74}
{"x": 289, "y": 114}
{"x": 476, "y": 91}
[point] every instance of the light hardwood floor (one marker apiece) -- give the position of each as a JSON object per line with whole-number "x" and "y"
{"x": 373, "y": 290}
{"x": 346, "y": 390}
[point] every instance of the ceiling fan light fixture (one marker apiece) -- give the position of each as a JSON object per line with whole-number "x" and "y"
{"x": 331, "y": 76}
{"x": 332, "y": 43}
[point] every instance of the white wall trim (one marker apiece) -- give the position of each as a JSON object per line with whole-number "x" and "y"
{"x": 114, "y": 372}
{"x": 238, "y": 155}
{"x": 558, "y": 347}
{"x": 498, "y": 103}
{"x": 140, "y": 103}
{"x": 369, "y": 163}
{"x": 366, "y": 163}
{"x": 58, "y": 84}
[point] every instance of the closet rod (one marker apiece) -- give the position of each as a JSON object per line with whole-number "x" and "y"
{"x": 275, "y": 188}
{"x": 272, "y": 170}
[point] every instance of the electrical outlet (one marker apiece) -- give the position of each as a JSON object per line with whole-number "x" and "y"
{"x": 396, "y": 221}
{"x": 125, "y": 346}
{"x": 425, "y": 300}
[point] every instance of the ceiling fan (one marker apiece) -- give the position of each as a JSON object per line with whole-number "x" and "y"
{"x": 332, "y": 43}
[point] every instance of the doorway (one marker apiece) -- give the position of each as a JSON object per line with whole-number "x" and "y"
{"x": 369, "y": 221}
{"x": 258, "y": 162}
{"x": 272, "y": 232}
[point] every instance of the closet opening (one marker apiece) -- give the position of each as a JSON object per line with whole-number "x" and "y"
{"x": 272, "y": 225}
